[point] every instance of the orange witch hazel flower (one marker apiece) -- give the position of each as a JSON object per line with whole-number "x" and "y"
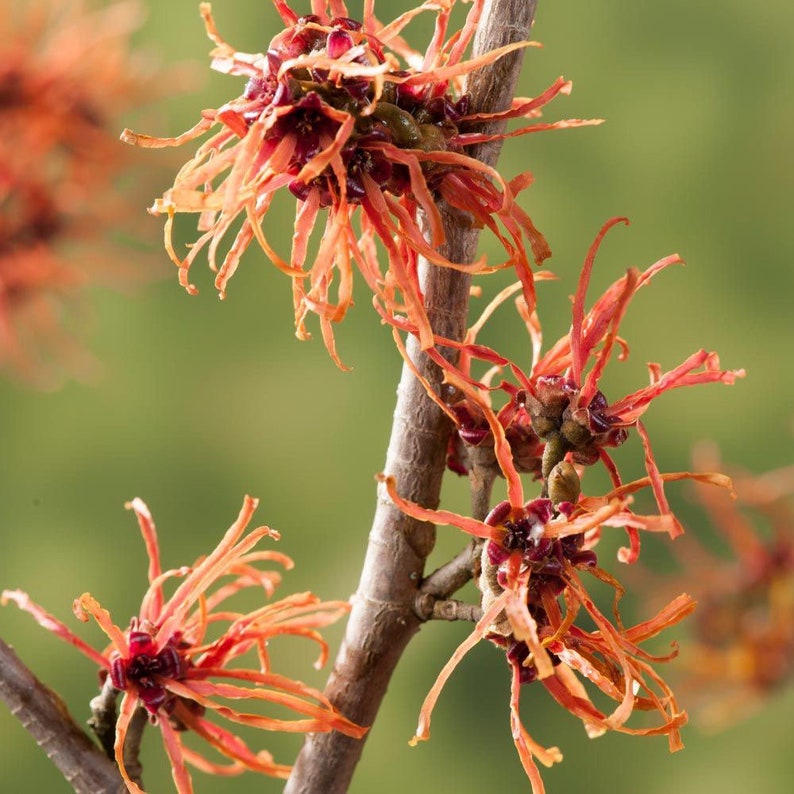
{"x": 66, "y": 72}
{"x": 344, "y": 115}
{"x": 534, "y": 558}
{"x": 166, "y": 663}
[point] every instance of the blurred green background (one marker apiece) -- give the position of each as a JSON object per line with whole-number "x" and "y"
{"x": 200, "y": 401}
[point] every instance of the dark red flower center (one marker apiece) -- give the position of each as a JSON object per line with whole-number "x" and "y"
{"x": 547, "y": 557}
{"x": 406, "y": 116}
{"x": 146, "y": 668}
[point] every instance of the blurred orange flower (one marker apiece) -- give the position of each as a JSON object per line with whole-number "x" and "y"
{"x": 66, "y": 74}
{"x": 347, "y": 117}
{"x": 166, "y": 663}
{"x": 741, "y": 648}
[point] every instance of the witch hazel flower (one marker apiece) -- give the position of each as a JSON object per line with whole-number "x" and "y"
{"x": 179, "y": 658}
{"x": 740, "y": 649}
{"x": 536, "y": 556}
{"x": 356, "y": 125}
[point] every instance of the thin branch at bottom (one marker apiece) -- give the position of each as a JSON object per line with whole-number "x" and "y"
{"x": 45, "y": 717}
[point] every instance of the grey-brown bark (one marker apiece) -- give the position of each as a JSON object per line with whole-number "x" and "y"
{"x": 45, "y": 717}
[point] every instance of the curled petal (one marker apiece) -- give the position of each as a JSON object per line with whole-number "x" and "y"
{"x": 87, "y": 605}
{"x": 580, "y": 353}
{"x": 176, "y": 756}
{"x": 129, "y": 704}
{"x": 631, "y": 407}
{"x": 471, "y": 526}
{"x": 153, "y": 600}
{"x": 51, "y": 623}
{"x": 480, "y": 630}
{"x": 209, "y": 569}
{"x": 192, "y": 690}
{"x": 230, "y": 745}
{"x": 527, "y": 748}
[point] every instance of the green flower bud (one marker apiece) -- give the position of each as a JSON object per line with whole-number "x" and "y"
{"x": 563, "y": 483}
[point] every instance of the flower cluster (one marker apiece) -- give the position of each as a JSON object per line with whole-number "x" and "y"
{"x": 556, "y": 409}
{"x": 348, "y": 118}
{"x": 66, "y": 73}
{"x": 536, "y": 555}
{"x": 168, "y": 662}
{"x": 374, "y": 138}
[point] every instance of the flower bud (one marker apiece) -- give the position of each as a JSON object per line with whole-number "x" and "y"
{"x": 401, "y": 124}
{"x": 563, "y": 483}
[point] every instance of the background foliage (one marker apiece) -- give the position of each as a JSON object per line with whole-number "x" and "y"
{"x": 200, "y": 401}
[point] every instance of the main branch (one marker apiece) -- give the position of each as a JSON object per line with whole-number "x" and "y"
{"x": 383, "y": 619}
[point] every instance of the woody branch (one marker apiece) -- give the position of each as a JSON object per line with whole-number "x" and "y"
{"x": 44, "y": 716}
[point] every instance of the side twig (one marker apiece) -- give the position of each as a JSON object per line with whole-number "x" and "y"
{"x": 103, "y": 723}
{"x": 383, "y": 618}
{"x": 447, "y": 579}
{"x": 451, "y": 576}
{"x": 103, "y": 716}
{"x": 45, "y": 717}
{"x": 432, "y": 601}
{"x": 430, "y": 608}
